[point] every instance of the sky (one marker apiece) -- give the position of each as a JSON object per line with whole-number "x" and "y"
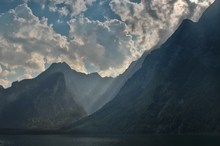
{"x": 102, "y": 36}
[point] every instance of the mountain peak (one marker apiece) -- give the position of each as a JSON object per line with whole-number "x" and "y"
{"x": 95, "y": 74}
{"x": 40, "y": 103}
{"x": 60, "y": 65}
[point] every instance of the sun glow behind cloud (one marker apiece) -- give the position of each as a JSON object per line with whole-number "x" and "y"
{"x": 90, "y": 35}
{"x": 194, "y": 1}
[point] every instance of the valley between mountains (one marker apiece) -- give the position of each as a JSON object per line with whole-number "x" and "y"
{"x": 174, "y": 89}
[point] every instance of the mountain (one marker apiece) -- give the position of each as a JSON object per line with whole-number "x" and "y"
{"x": 57, "y": 97}
{"x": 91, "y": 90}
{"x": 40, "y": 103}
{"x": 87, "y": 88}
{"x": 176, "y": 91}
{"x": 119, "y": 82}
{"x": 1, "y": 87}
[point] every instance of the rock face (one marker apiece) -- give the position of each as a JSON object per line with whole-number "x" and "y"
{"x": 177, "y": 89}
{"x": 91, "y": 90}
{"x": 40, "y": 103}
{"x": 87, "y": 89}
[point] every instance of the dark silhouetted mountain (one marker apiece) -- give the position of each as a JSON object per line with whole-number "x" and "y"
{"x": 91, "y": 90}
{"x": 119, "y": 81}
{"x": 57, "y": 97}
{"x": 1, "y": 87}
{"x": 177, "y": 89}
{"x": 40, "y": 103}
{"x": 87, "y": 88}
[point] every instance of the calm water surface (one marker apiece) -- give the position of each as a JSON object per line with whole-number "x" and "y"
{"x": 63, "y": 140}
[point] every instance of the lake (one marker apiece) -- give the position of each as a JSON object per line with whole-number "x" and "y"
{"x": 66, "y": 140}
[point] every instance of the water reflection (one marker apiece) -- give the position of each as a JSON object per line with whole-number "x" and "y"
{"x": 60, "y": 140}
{"x": 54, "y": 140}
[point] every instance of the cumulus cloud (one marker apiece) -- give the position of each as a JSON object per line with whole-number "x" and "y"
{"x": 112, "y": 45}
{"x": 4, "y": 82}
{"x": 27, "y": 42}
{"x": 103, "y": 45}
{"x": 0, "y": 69}
{"x": 63, "y": 11}
{"x": 70, "y": 8}
{"x": 24, "y": 76}
{"x": 5, "y": 73}
{"x": 75, "y": 6}
{"x": 152, "y": 21}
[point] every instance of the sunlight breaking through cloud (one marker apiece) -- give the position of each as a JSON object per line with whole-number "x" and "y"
{"x": 29, "y": 41}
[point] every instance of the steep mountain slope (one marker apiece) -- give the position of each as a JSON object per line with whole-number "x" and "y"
{"x": 57, "y": 97}
{"x": 177, "y": 89}
{"x": 87, "y": 89}
{"x": 91, "y": 90}
{"x": 119, "y": 82}
{"x": 40, "y": 103}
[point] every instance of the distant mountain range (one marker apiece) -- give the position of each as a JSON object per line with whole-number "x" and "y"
{"x": 41, "y": 103}
{"x": 176, "y": 91}
{"x": 57, "y": 97}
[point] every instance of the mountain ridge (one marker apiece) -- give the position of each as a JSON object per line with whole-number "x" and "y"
{"x": 37, "y": 104}
{"x": 174, "y": 92}
{"x": 71, "y": 84}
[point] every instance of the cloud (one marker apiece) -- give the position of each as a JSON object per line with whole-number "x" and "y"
{"x": 63, "y": 11}
{"x": 5, "y": 73}
{"x": 75, "y": 6}
{"x": 4, "y": 82}
{"x": 152, "y": 21}
{"x": 24, "y": 76}
{"x": 111, "y": 46}
{"x": 28, "y": 42}
{"x": 0, "y": 69}
{"x": 105, "y": 46}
